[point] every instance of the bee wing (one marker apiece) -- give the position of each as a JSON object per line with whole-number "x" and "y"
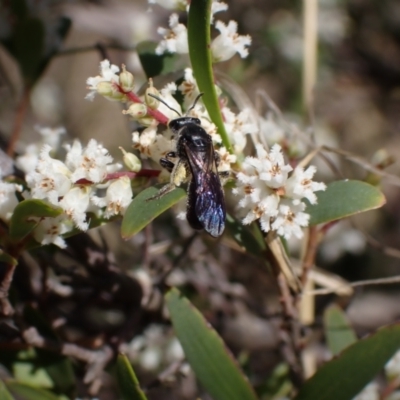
{"x": 206, "y": 204}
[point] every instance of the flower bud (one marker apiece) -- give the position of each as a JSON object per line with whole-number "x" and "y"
{"x": 151, "y": 101}
{"x": 136, "y": 110}
{"x": 110, "y": 91}
{"x": 146, "y": 121}
{"x": 104, "y": 88}
{"x": 126, "y": 80}
{"x": 131, "y": 161}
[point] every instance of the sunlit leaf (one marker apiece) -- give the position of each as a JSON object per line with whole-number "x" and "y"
{"x": 211, "y": 361}
{"x": 127, "y": 381}
{"x": 4, "y": 393}
{"x": 142, "y": 210}
{"x": 29, "y": 392}
{"x": 338, "y": 332}
{"x": 344, "y": 198}
{"x": 346, "y": 375}
{"x": 27, "y": 214}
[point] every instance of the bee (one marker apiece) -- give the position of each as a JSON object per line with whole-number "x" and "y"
{"x": 196, "y": 163}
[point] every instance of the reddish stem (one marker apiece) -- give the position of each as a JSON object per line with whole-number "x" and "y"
{"x": 157, "y": 115}
{"x": 19, "y": 118}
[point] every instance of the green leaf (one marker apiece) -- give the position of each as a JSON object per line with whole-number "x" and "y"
{"x": 155, "y": 64}
{"x": 344, "y": 198}
{"x": 26, "y": 217}
{"x": 4, "y": 393}
{"x": 29, "y": 392}
{"x": 127, "y": 381}
{"x": 201, "y": 59}
{"x": 345, "y": 376}
{"x": 338, "y": 332}
{"x": 142, "y": 210}
{"x": 211, "y": 361}
{"x": 248, "y": 237}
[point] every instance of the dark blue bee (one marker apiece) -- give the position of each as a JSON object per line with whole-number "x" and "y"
{"x": 197, "y": 162}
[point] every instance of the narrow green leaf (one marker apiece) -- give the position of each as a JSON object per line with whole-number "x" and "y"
{"x": 29, "y": 392}
{"x": 155, "y": 64}
{"x": 344, "y": 198}
{"x": 345, "y": 376}
{"x": 4, "y": 393}
{"x": 339, "y": 334}
{"x": 26, "y": 217}
{"x": 201, "y": 59}
{"x": 127, "y": 381}
{"x": 211, "y": 361}
{"x": 142, "y": 210}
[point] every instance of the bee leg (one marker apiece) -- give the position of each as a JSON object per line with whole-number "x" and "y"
{"x": 178, "y": 175}
{"x": 167, "y": 164}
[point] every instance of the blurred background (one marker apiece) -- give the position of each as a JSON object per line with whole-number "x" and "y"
{"x": 356, "y": 108}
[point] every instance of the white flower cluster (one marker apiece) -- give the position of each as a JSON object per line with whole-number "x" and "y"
{"x": 223, "y": 47}
{"x": 154, "y": 144}
{"x": 72, "y": 185}
{"x": 272, "y": 196}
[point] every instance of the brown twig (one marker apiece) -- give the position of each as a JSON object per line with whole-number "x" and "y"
{"x": 5, "y": 306}
{"x": 311, "y": 251}
{"x": 95, "y": 359}
{"x": 19, "y": 119}
{"x": 290, "y": 331}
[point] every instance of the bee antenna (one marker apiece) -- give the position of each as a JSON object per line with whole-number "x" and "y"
{"x": 194, "y": 103}
{"x": 162, "y": 101}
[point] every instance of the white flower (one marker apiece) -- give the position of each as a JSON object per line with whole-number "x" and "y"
{"x": 237, "y": 127}
{"x": 272, "y": 131}
{"x": 175, "y": 38}
{"x": 266, "y": 193}
{"x": 117, "y": 199}
{"x": 152, "y": 145}
{"x": 300, "y": 184}
{"x": 8, "y": 199}
{"x": 225, "y": 45}
{"x": 290, "y": 219}
{"x": 370, "y": 392}
{"x": 225, "y": 159}
{"x": 108, "y": 73}
{"x": 189, "y": 87}
{"x": 167, "y": 95}
{"x": 51, "y": 136}
{"x": 28, "y": 161}
{"x": 392, "y": 367}
{"x": 75, "y": 203}
{"x": 91, "y": 163}
{"x": 271, "y": 166}
{"x": 51, "y": 179}
{"x": 216, "y": 7}
{"x": 49, "y": 230}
